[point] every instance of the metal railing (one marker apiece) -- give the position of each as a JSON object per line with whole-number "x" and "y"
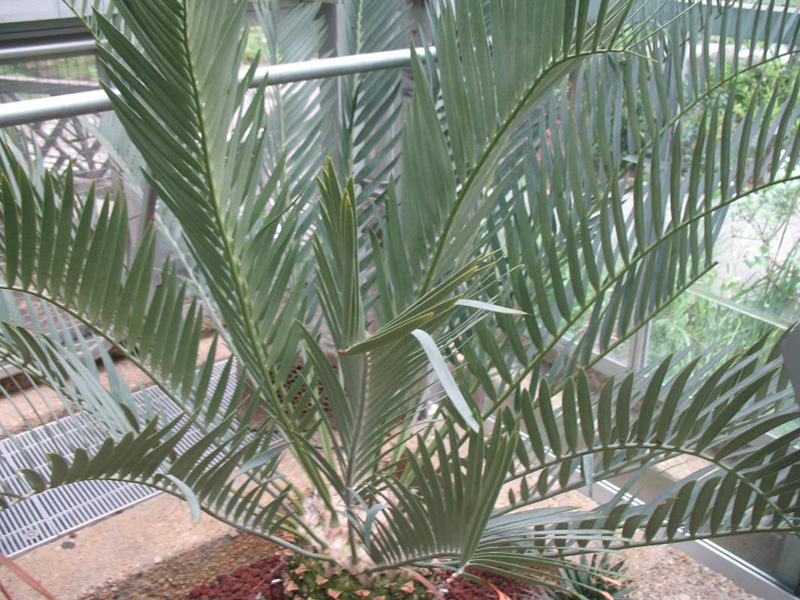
{"x": 83, "y": 103}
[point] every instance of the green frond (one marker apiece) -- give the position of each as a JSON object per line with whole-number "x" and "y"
{"x": 296, "y": 136}
{"x": 721, "y": 415}
{"x": 615, "y": 215}
{"x": 208, "y": 142}
{"x": 57, "y": 248}
{"x": 445, "y": 515}
{"x": 203, "y": 452}
{"x": 371, "y": 103}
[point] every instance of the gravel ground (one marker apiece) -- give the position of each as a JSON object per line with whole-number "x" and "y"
{"x": 663, "y": 573}
{"x": 178, "y": 576}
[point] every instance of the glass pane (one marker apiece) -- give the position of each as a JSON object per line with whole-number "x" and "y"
{"x": 754, "y": 290}
{"x": 759, "y": 255}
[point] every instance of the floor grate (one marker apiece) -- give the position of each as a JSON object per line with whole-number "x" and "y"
{"x": 54, "y": 513}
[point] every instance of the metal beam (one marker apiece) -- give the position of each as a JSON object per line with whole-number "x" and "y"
{"x": 73, "y": 105}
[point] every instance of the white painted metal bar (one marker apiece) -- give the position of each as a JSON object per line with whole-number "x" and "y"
{"x": 83, "y": 103}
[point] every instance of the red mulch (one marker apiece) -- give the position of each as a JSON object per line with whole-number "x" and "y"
{"x": 461, "y": 588}
{"x": 263, "y": 581}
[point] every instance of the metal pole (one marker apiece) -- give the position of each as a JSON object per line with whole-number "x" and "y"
{"x": 83, "y": 103}
{"x": 46, "y": 51}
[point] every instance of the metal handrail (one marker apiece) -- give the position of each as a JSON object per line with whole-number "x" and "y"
{"x": 83, "y": 103}
{"x": 48, "y": 51}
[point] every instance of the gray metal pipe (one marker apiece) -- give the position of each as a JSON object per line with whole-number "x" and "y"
{"x": 83, "y": 103}
{"x": 46, "y": 51}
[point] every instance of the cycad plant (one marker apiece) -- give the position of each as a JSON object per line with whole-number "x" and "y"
{"x": 415, "y": 332}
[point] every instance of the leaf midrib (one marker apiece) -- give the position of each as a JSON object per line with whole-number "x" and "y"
{"x": 229, "y": 255}
{"x": 491, "y": 146}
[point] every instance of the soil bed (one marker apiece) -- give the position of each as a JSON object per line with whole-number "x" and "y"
{"x": 264, "y": 580}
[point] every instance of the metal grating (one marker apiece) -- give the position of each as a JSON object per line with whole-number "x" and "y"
{"x": 54, "y": 513}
